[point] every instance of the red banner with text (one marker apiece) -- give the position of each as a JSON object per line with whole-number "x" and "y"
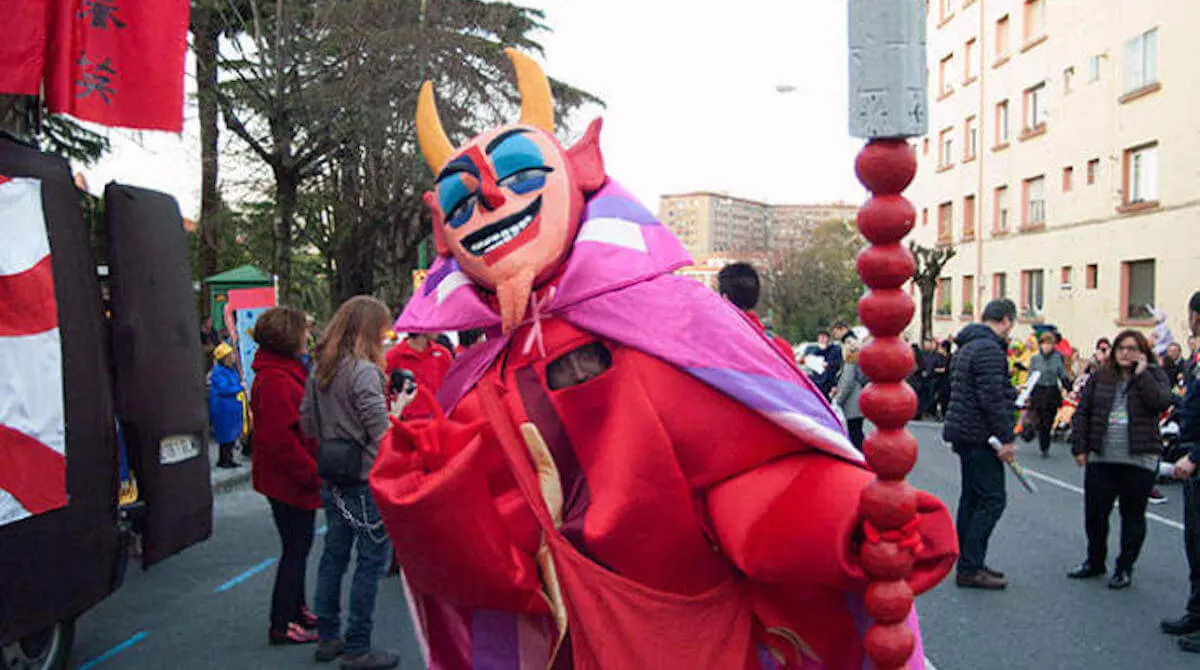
{"x": 117, "y": 62}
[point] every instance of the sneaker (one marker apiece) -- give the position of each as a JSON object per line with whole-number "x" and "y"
{"x": 328, "y": 650}
{"x": 1185, "y": 625}
{"x": 1157, "y": 497}
{"x": 980, "y": 580}
{"x": 307, "y": 618}
{"x": 293, "y": 634}
{"x": 375, "y": 659}
{"x": 1086, "y": 570}
{"x": 1121, "y": 579}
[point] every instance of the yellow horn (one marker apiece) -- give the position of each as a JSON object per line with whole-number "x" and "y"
{"x": 537, "y": 107}
{"x": 431, "y": 136}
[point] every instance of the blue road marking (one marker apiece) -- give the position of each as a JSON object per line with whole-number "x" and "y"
{"x": 245, "y": 575}
{"x": 137, "y": 637}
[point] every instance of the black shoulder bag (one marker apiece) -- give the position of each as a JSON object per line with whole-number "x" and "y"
{"x": 339, "y": 459}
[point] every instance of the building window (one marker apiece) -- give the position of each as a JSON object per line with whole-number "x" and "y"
{"x": 969, "y": 61}
{"x": 968, "y": 296}
{"x": 945, "y": 11}
{"x": 1094, "y": 69}
{"x": 1035, "y": 202}
{"x": 1137, "y": 289}
{"x": 1002, "y": 37}
{"x": 1035, "y": 107}
{"x": 1068, "y": 75}
{"x": 946, "y": 148}
{"x": 1000, "y": 224}
{"x": 970, "y": 139}
{"x": 1068, "y": 178}
{"x": 999, "y": 286}
{"x": 1032, "y": 293}
{"x": 1035, "y": 19}
{"x": 1091, "y": 276}
{"x": 1001, "y": 122}
{"x": 1065, "y": 277}
{"x": 1141, "y": 60}
{"x": 1141, "y": 174}
{"x": 969, "y": 218}
{"x": 945, "y": 73}
{"x": 1093, "y": 166}
{"x": 942, "y": 297}
{"x": 945, "y": 222}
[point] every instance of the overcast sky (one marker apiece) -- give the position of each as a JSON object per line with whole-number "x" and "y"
{"x": 691, "y": 97}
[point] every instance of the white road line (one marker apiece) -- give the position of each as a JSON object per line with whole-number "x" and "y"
{"x": 929, "y": 664}
{"x": 1071, "y": 487}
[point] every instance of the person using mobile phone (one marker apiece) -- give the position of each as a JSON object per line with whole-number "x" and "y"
{"x": 426, "y": 363}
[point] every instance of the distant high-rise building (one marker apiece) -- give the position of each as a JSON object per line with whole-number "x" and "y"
{"x": 717, "y": 223}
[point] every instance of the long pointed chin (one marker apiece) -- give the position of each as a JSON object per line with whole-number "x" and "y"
{"x": 513, "y": 295}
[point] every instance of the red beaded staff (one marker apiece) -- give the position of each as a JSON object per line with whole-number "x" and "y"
{"x": 887, "y": 106}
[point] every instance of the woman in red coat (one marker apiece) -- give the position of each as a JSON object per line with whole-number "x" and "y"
{"x": 285, "y": 466}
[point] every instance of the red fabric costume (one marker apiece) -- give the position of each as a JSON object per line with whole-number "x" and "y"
{"x": 428, "y": 366}
{"x": 590, "y": 504}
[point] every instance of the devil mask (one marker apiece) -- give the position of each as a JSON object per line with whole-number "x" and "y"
{"x": 507, "y": 203}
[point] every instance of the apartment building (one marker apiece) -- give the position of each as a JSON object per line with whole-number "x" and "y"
{"x": 717, "y": 223}
{"x": 1057, "y": 162}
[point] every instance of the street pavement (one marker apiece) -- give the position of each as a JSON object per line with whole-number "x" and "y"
{"x": 1043, "y": 619}
{"x": 207, "y": 607}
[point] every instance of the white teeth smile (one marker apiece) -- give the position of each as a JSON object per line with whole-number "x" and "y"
{"x": 499, "y": 238}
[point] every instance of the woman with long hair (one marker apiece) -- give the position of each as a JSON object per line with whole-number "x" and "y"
{"x": 1046, "y": 397}
{"x": 851, "y": 381}
{"x": 284, "y": 464}
{"x": 345, "y": 406}
{"x": 1117, "y": 439}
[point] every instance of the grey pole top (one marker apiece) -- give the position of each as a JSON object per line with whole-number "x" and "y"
{"x": 888, "y": 90}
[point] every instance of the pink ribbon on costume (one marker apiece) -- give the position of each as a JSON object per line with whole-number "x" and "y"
{"x": 535, "y": 333}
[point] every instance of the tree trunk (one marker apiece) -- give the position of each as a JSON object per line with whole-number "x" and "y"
{"x": 206, "y": 37}
{"x": 286, "y": 186}
{"x": 927, "y": 295}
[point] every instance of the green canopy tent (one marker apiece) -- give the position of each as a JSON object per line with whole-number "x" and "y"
{"x": 219, "y": 286}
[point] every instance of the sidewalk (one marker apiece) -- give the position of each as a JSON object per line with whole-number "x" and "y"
{"x": 231, "y": 479}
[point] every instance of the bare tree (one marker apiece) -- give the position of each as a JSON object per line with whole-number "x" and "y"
{"x": 930, "y": 262}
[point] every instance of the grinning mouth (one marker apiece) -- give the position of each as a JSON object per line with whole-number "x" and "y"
{"x": 493, "y": 236}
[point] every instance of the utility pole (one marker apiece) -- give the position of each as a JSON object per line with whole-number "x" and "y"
{"x": 887, "y": 106}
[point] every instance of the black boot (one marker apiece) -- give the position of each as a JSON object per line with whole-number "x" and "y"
{"x": 225, "y": 457}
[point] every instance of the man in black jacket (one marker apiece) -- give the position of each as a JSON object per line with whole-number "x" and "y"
{"x": 981, "y": 407}
{"x": 1185, "y": 469}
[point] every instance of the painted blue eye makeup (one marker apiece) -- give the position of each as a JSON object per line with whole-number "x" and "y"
{"x": 456, "y": 199}
{"x": 462, "y": 212}
{"x": 526, "y": 181}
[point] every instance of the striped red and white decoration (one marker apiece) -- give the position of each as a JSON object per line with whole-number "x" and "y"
{"x": 33, "y": 464}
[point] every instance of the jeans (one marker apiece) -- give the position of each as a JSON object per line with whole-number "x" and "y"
{"x": 1191, "y": 541}
{"x": 980, "y": 505}
{"x": 1104, "y": 484}
{"x": 351, "y": 518}
{"x": 295, "y": 528}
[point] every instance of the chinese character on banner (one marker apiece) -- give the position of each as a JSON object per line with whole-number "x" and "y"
{"x": 117, "y": 62}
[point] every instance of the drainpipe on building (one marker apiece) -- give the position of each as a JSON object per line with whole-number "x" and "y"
{"x": 977, "y": 309}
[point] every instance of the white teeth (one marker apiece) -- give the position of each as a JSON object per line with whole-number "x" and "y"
{"x": 501, "y": 238}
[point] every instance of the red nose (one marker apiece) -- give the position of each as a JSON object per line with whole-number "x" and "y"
{"x": 490, "y": 196}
